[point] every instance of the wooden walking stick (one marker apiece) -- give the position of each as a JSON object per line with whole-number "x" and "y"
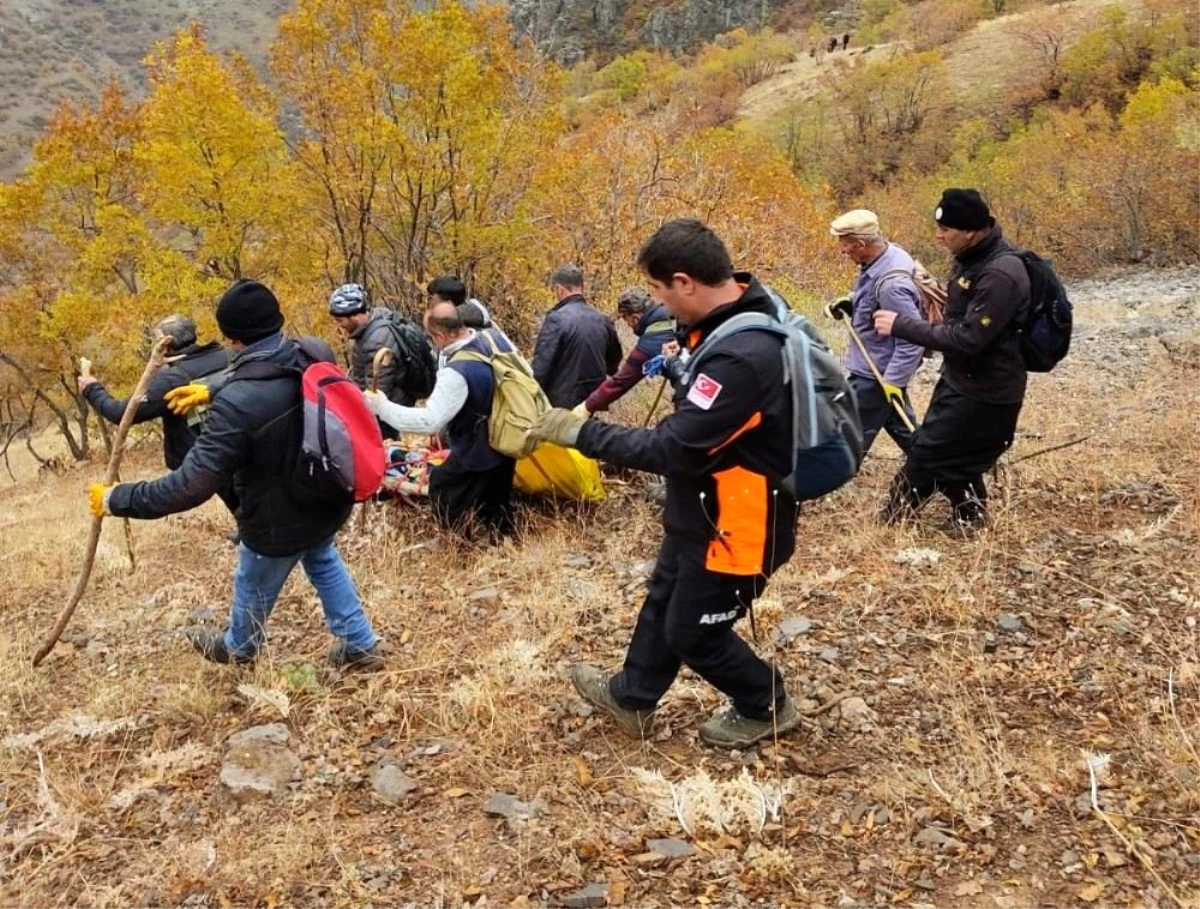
{"x": 382, "y": 358}
{"x": 85, "y": 369}
{"x": 654, "y": 406}
{"x": 110, "y": 477}
{"x": 899, "y": 408}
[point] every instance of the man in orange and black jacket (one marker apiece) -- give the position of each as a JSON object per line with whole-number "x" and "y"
{"x": 729, "y": 523}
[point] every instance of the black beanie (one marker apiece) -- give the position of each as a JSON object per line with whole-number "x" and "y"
{"x": 248, "y": 312}
{"x": 963, "y": 209}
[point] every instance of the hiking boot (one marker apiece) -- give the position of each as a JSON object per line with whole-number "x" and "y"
{"x": 592, "y": 685}
{"x": 729, "y": 729}
{"x": 343, "y": 656}
{"x": 210, "y": 643}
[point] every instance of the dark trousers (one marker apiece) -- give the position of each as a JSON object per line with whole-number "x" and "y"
{"x": 463, "y": 499}
{"x": 877, "y": 413}
{"x": 687, "y": 618}
{"x": 959, "y": 440}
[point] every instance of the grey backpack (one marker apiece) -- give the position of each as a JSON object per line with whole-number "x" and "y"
{"x": 827, "y": 433}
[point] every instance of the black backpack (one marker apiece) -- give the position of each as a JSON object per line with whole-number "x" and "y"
{"x": 1045, "y": 336}
{"x": 420, "y": 363}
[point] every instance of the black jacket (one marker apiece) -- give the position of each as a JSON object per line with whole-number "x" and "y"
{"x": 188, "y": 365}
{"x": 577, "y": 348}
{"x": 374, "y": 335}
{"x": 253, "y": 434}
{"x": 724, "y": 450}
{"x": 988, "y": 301}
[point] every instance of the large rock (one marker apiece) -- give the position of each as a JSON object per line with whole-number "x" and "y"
{"x": 258, "y": 761}
{"x": 1183, "y": 347}
{"x": 390, "y": 783}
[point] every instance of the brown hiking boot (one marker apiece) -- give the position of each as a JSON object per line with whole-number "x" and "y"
{"x": 592, "y": 685}
{"x": 729, "y": 729}
{"x": 343, "y": 656}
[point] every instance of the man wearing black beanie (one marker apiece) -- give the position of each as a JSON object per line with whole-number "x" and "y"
{"x": 972, "y": 416}
{"x": 253, "y": 435}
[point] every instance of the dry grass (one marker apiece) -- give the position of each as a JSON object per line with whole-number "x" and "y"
{"x": 1094, "y": 547}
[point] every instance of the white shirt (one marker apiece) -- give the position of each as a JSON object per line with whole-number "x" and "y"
{"x": 443, "y": 404}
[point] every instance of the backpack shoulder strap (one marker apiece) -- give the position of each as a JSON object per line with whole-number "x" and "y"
{"x": 892, "y": 275}
{"x": 747, "y": 321}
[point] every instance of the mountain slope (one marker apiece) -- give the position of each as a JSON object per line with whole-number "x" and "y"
{"x": 56, "y": 49}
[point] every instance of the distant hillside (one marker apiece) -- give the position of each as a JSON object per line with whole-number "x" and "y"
{"x": 55, "y": 49}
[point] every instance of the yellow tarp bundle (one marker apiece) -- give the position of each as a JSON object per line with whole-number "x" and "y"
{"x": 563, "y": 472}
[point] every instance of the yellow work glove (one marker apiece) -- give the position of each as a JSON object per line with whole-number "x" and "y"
{"x": 187, "y": 398}
{"x": 893, "y": 393}
{"x": 559, "y": 426}
{"x": 98, "y": 495}
{"x": 580, "y": 410}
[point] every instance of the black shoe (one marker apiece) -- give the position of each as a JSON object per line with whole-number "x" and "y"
{"x": 343, "y": 656}
{"x": 210, "y": 643}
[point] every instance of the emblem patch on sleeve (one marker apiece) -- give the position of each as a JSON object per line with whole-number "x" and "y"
{"x": 704, "y": 391}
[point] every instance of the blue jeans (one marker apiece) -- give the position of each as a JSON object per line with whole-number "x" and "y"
{"x": 259, "y": 578}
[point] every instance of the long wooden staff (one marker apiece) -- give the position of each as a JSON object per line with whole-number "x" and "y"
{"x": 382, "y": 357}
{"x": 85, "y": 369}
{"x": 110, "y": 477}
{"x": 654, "y": 406}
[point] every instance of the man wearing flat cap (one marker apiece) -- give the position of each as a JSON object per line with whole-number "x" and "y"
{"x": 653, "y": 327}
{"x": 885, "y": 281}
{"x": 972, "y": 416}
{"x": 252, "y": 436}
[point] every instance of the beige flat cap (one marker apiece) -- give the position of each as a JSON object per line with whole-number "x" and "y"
{"x": 857, "y": 223}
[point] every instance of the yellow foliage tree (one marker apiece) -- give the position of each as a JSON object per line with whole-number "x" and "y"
{"x": 216, "y": 167}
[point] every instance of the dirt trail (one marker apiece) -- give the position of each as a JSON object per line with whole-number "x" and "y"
{"x": 982, "y": 61}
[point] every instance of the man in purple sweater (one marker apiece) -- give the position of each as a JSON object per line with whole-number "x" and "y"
{"x": 884, "y": 282}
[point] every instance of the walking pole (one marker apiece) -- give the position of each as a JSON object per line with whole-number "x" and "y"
{"x": 110, "y": 477}
{"x": 382, "y": 357}
{"x": 654, "y": 406}
{"x": 879, "y": 378}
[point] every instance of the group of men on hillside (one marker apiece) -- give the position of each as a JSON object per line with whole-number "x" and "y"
{"x": 729, "y": 518}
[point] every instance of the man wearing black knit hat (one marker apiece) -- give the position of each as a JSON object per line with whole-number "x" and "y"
{"x": 253, "y": 435}
{"x": 972, "y": 416}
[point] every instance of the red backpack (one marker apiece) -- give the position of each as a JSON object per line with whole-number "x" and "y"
{"x": 341, "y": 452}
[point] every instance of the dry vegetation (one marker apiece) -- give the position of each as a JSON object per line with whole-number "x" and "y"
{"x": 976, "y": 749}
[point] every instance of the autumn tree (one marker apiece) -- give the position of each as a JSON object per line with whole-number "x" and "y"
{"x": 214, "y": 160}
{"x": 419, "y": 132}
{"x": 75, "y": 248}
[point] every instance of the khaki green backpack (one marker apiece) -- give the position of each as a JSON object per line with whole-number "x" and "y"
{"x": 517, "y": 399}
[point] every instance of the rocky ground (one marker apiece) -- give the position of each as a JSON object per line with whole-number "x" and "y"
{"x": 1005, "y": 721}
